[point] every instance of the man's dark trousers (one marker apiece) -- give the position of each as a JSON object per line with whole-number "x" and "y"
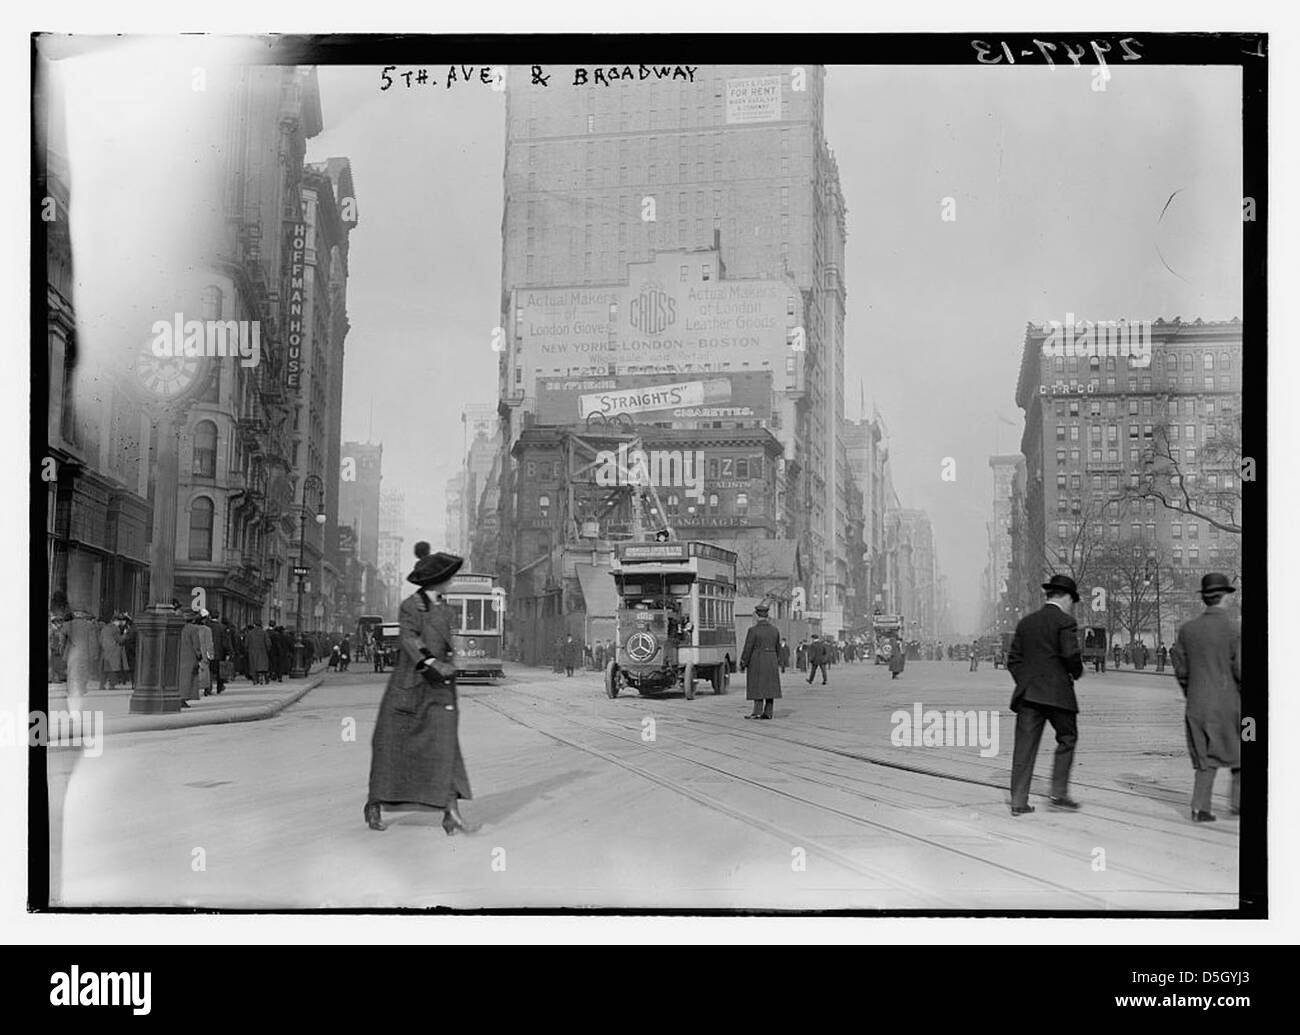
{"x": 1030, "y": 720}
{"x": 812, "y": 674}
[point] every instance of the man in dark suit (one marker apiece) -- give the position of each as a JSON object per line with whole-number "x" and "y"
{"x": 1207, "y": 664}
{"x": 817, "y": 658}
{"x": 1044, "y": 660}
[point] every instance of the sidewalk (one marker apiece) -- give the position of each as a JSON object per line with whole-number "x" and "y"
{"x": 241, "y": 702}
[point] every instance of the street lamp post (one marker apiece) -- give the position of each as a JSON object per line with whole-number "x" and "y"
{"x": 300, "y": 646}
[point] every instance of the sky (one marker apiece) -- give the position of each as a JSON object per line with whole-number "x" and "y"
{"x": 1062, "y": 200}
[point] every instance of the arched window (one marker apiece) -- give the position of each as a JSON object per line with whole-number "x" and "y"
{"x": 205, "y": 449}
{"x": 1225, "y": 361}
{"x": 1187, "y": 361}
{"x": 1209, "y": 361}
{"x": 201, "y": 529}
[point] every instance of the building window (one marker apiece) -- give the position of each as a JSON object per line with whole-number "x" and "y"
{"x": 705, "y": 271}
{"x": 1176, "y": 530}
{"x": 201, "y": 529}
{"x": 1062, "y": 531}
{"x": 1060, "y": 433}
{"x": 742, "y": 503}
{"x": 1074, "y": 433}
{"x": 543, "y": 504}
{"x": 1193, "y": 555}
{"x": 742, "y": 469}
{"x": 683, "y": 272}
{"x": 1074, "y": 456}
{"x": 1060, "y": 480}
{"x": 1094, "y": 455}
{"x": 205, "y": 449}
{"x": 1178, "y": 555}
{"x": 1209, "y": 361}
{"x": 1193, "y": 530}
{"x": 591, "y": 123}
{"x": 1074, "y": 407}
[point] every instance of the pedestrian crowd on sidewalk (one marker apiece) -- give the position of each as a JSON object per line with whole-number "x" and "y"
{"x": 87, "y": 653}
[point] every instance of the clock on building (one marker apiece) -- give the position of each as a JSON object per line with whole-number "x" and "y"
{"x": 169, "y": 378}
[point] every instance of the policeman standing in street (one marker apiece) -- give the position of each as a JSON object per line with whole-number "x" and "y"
{"x": 1207, "y": 664}
{"x": 759, "y": 663}
{"x": 1044, "y": 660}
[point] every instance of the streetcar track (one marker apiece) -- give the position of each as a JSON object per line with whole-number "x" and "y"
{"x": 1112, "y": 814}
{"x": 891, "y": 878}
{"x": 1162, "y": 885}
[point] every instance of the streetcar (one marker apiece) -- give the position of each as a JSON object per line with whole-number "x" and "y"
{"x": 887, "y": 632}
{"x": 675, "y": 618}
{"x": 476, "y": 629}
{"x": 367, "y": 625}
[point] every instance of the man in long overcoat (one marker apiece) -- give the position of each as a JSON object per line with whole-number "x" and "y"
{"x": 1044, "y": 660}
{"x": 221, "y": 649}
{"x": 572, "y": 655}
{"x": 112, "y": 654}
{"x": 416, "y": 756}
{"x": 1207, "y": 664}
{"x": 258, "y": 648}
{"x": 759, "y": 662}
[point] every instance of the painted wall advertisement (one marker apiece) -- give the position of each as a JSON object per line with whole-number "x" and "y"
{"x": 754, "y": 100}
{"x": 657, "y": 322}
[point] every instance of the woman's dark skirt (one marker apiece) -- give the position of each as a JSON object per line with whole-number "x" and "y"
{"x": 416, "y": 755}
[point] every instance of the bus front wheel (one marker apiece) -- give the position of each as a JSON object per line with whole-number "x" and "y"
{"x": 720, "y": 679}
{"x": 688, "y": 682}
{"x": 611, "y": 680}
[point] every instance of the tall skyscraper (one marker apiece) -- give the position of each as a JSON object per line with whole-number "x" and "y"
{"x": 621, "y": 201}
{"x": 360, "y": 476}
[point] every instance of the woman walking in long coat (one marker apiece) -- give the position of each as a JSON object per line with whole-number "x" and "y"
{"x": 759, "y": 663}
{"x": 416, "y": 755}
{"x": 898, "y": 659}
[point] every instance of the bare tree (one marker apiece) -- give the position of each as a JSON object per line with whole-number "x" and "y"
{"x": 1077, "y": 554}
{"x": 1131, "y": 571}
{"x": 1207, "y": 488}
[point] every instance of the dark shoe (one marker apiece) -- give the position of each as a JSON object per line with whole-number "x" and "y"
{"x": 753, "y": 716}
{"x": 373, "y": 817}
{"x": 185, "y": 704}
{"x": 1200, "y": 816}
{"x": 823, "y": 682}
{"x": 452, "y": 821}
{"x": 765, "y": 716}
{"x": 1020, "y": 810}
{"x": 1069, "y": 804}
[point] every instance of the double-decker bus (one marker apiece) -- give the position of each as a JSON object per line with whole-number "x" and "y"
{"x": 476, "y": 633}
{"x": 676, "y": 618}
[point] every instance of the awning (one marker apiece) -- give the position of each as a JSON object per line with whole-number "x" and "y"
{"x": 598, "y": 590}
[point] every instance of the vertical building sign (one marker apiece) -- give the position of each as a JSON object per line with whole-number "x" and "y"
{"x": 297, "y": 255}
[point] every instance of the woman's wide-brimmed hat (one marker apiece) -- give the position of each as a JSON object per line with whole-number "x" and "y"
{"x": 435, "y": 568}
{"x": 1062, "y": 582}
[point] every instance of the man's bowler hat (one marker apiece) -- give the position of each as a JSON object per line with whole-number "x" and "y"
{"x": 1215, "y": 582}
{"x": 1059, "y": 583}
{"x": 435, "y": 568}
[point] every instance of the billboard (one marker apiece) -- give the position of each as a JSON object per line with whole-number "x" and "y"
{"x": 656, "y": 398}
{"x": 660, "y": 321}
